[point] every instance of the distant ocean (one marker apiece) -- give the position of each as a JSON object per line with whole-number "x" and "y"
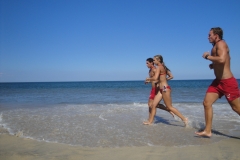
{"x": 110, "y": 113}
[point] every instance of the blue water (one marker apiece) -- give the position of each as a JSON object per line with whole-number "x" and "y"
{"x": 119, "y": 92}
{"x": 109, "y": 113}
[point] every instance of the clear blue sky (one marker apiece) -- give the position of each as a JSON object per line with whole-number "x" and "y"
{"x": 98, "y": 40}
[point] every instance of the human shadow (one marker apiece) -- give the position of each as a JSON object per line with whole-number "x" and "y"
{"x": 164, "y": 121}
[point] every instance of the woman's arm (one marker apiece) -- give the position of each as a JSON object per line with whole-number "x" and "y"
{"x": 169, "y": 74}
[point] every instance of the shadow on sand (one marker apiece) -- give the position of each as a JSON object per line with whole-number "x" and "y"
{"x": 164, "y": 121}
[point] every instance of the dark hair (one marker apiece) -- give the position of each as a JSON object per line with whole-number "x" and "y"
{"x": 160, "y": 58}
{"x": 218, "y": 31}
{"x": 150, "y": 60}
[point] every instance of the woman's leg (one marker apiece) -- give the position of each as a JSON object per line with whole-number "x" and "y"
{"x": 168, "y": 102}
{"x": 161, "y": 106}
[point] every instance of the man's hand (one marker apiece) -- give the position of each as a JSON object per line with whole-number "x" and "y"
{"x": 147, "y": 80}
{"x": 211, "y": 66}
{"x": 205, "y": 54}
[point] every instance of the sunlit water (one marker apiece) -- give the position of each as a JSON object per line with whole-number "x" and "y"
{"x": 110, "y": 114}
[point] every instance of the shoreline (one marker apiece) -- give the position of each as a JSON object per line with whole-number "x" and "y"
{"x": 13, "y": 147}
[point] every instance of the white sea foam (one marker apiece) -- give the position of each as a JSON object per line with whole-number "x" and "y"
{"x": 111, "y": 116}
{"x": 0, "y": 118}
{"x": 113, "y": 125}
{"x": 101, "y": 117}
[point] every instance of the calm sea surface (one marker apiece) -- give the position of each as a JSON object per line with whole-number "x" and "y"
{"x": 110, "y": 114}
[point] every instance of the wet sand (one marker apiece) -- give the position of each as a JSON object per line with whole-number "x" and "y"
{"x": 18, "y": 148}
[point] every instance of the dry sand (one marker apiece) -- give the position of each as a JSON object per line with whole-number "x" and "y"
{"x": 17, "y": 148}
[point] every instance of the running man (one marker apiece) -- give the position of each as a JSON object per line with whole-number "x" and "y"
{"x": 155, "y": 88}
{"x": 224, "y": 84}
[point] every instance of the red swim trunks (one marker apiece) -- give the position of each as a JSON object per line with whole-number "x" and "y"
{"x": 153, "y": 92}
{"x": 227, "y": 87}
{"x": 161, "y": 90}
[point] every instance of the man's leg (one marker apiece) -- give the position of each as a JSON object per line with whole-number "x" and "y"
{"x": 235, "y": 104}
{"x": 209, "y": 99}
{"x": 156, "y": 100}
{"x": 150, "y": 101}
{"x": 161, "y": 106}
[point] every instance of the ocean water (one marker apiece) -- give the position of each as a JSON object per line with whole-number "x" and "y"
{"x": 110, "y": 113}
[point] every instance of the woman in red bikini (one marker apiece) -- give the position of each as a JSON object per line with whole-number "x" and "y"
{"x": 164, "y": 92}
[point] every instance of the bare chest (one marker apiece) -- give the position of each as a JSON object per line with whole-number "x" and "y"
{"x": 214, "y": 51}
{"x": 151, "y": 73}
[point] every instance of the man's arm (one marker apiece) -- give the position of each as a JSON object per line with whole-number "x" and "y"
{"x": 221, "y": 53}
{"x": 211, "y": 66}
{"x": 155, "y": 77}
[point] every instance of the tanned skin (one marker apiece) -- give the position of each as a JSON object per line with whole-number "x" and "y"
{"x": 220, "y": 59}
{"x": 154, "y": 84}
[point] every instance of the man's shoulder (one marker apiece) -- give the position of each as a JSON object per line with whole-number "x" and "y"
{"x": 222, "y": 43}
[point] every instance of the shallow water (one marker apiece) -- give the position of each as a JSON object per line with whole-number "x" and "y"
{"x": 111, "y": 116}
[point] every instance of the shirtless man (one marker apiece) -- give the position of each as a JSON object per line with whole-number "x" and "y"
{"x": 224, "y": 84}
{"x": 152, "y": 70}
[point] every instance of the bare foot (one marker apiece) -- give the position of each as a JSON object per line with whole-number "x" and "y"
{"x": 186, "y": 122}
{"x": 204, "y": 134}
{"x": 147, "y": 123}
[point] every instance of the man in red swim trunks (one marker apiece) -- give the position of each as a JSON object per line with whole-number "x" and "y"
{"x": 155, "y": 88}
{"x": 224, "y": 84}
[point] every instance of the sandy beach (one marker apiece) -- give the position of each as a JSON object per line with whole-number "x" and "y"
{"x": 18, "y": 148}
